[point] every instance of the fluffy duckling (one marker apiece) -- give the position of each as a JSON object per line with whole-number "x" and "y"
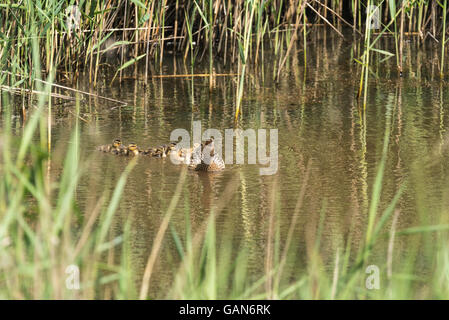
{"x": 171, "y": 148}
{"x": 131, "y": 150}
{"x": 119, "y": 150}
{"x": 189, "y": 156}
{"x": 116, "y": 144}
{"x": 150, "y": 152}
{"x": 161, "y": 151}
{"x": 181, "y": 155}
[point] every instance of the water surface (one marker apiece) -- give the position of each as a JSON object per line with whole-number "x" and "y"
{"x": 323, "y": 134}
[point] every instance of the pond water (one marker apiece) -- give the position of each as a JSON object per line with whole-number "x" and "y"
{"x": 323, "y": 135}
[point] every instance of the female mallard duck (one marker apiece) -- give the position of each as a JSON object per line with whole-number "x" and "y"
{"x": 131, "y": 150}
{"x": 116, "y": 144}
{"x": 208, "y": 160}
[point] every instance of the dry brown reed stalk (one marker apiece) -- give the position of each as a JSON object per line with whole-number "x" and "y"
{"x": 337, "y": 15}
{"x": 293, "y": 222}
{"x": 401, "y": 38}
{"x": 21, "y": 91}
{"x": 87, "y": 229}
{"x": 335, "y": 275}
{"x": 299, "y": 15}
{"x": 227, "y": 195}
{"x": 391, "y": 244}
{"x": 193, "y": 75}
{"x": 269, "y": 256}
{"x": 81, "y": 92}
{"x": 325, "y": 20}
{"x": 160, "y": 236}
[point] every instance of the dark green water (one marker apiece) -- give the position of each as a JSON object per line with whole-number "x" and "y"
{"x": 321, "y": 131}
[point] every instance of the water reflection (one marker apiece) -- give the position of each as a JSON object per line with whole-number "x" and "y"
{"x": 319, "y": 120}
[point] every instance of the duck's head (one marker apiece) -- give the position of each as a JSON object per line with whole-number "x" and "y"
{"x": 171, "y": 147}
{"x": 132, "y": 147}
{"x": 117, "y": 143}
{"x": 209, "y": 141}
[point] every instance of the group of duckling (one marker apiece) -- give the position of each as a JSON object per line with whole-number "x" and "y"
{"x": 132, "y": 150}
{"x": 193, "y": 157}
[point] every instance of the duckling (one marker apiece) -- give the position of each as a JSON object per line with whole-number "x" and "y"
{"x": 119, "y": 150}
{"x": 166, "y": 150}
{"x": 157, "y": 153}
{"x": 131, "y": 150}
{"x": 180, "y": 155}
{"x": 161, "y": 151}
{"x": 171, "y": 147}
{"x": 150, "y": 152}
{"x": 111, "y": 147}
